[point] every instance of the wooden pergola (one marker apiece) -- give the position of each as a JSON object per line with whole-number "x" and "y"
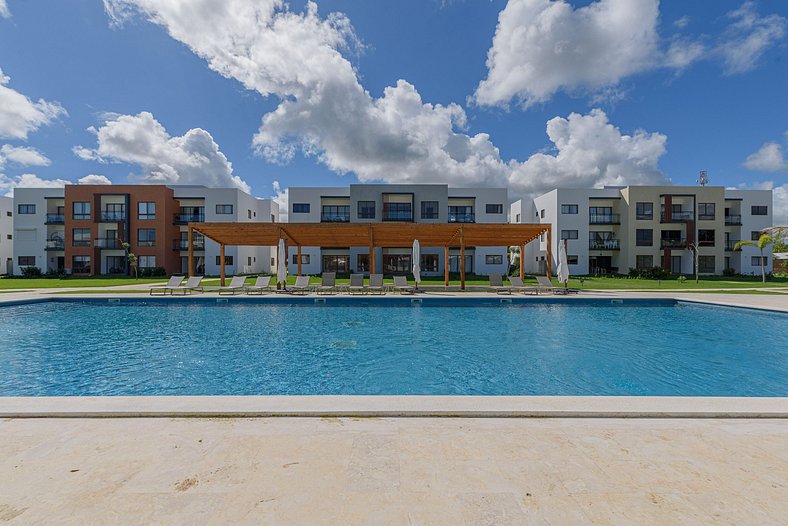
{"x": 372, "y": 235}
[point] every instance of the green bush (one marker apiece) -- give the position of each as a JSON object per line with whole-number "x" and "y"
{"x": 649, "y": 273}
{"x": 31, "y": 272}
{"x": 728, "y": 272}
{"x": 152, "y": 272}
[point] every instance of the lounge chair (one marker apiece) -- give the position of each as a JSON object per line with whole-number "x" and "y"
{"x": 301, "y": 286}
{"x": 261, "y": 284}
{"x": 519, "y": 286}
{"x": 356, "y": 284}
{"x": 174, "y": 282}
{"x": 496, "y": 284}
{"x": 328, "y": 283}
{"x": 544, "y": 284}
{"x": 236, "y": 285}
{"x": 401, "y": 285}
{"x": 192, "y": 285}
{"x": 376, "y": 283}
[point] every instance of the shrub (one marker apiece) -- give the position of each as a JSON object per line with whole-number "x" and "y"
{"x": 31, "y": 272}
{"x": 152, "y": 272}
{"x": 728, "y": 272}
{"x": 649, "y": 273}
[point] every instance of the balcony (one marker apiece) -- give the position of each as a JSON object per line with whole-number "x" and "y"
{"x": 183, "y": 219}
{"x": 465, "y": 217}
{"x": 706, "y": 217}
{"x": 55, "y": 244}
{"x": 397, "y": 212}
{"x": 677, "y": 217}
{"x": 730, "y": 244}
{"x": 340, "y": 217}
{"x": 183, "y": 244}
{"x": 109, "y": 244}
{"x": 672, "y": 243}
{"x": 55, "y": 219}
{"x": 604, "y": 219}
{"x": 604, "y": 244}
{"x": 733, "y": 220}
{"x": 112, "y": 217}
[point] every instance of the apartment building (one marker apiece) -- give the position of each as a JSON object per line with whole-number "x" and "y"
{"x": 419, "y": 203}
{"x": 612, "y": 229}
{"x": 6, "y": 235}
{"x": 80, "y": 229}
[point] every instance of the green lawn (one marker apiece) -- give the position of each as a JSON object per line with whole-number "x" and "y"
{"x": 58, "y": 283}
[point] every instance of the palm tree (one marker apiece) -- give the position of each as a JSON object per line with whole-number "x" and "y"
{"x": 764, "y": 240}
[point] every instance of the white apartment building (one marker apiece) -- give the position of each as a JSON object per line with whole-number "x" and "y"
{"x": 613, "y": 229}
{"x": 6, "y": 235}
{"x": 80, "y": 228}
{"x": 419, "y": 203}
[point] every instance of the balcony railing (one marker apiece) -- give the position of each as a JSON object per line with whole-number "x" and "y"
{"x": 182, "y": 219}
{"x": 105, "y": 243}
{"x": 112, "y": 217}
{"x": 397, "y": 214}
{"x": 462, "y": 217}
{"x": 677, "y": 217}
{"x": 604, "y": 244}
{"x": 55, "y": 219}
{"x": 673, "y": 243}
{"x": 730, "y": 244}
{"x": 733, "y": 220}
{"x": 335, "y": 218}
{"x": 706, "y": 217}
{"x": 183, "y": 244}
{"x": 55, "y": 244}
{"x": 604, "y": 219}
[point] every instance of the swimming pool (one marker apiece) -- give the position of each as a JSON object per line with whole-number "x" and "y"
{"x": 395, "y": 347}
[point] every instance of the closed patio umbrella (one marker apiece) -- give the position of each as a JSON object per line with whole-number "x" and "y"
{"x": 416, "y": 261}
{"x": 281, "y": 265}
{"x": 563, "y": 266}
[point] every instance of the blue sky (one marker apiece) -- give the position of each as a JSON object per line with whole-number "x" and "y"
{"x": 705, "y": 81}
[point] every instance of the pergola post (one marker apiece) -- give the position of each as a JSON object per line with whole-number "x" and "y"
{"x": 191, "y": 251}
{"x": 446, "y": 268}
{"x": 462, "y": 260}
{"x": 371, "y": 252}
{"x": 522, "y": 262}
{"x": 299, "y": 258}
{"x": 549, "y": 254}
{"x": 221, "y": 263}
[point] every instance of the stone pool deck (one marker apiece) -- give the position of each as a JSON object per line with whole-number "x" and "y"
{"x": 393, "y": 471}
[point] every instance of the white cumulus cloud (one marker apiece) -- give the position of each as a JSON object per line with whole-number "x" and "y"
{"x": 94, "y": 179}
{"x": 769, "y": 158}
{"x": 4, "y": 11}
{"x": 192, "y": 158}
{"x": 19, "y": 115}
{"x": 22, "y": 156}
{"x": 748, "y": 37}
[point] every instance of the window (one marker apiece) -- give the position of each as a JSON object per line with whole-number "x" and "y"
{"x": 572, "y": 260}
{"x": 760, "y": 210}
{"x": 602, "y": 215}
{"x": 568, "y": 234}
{"x": 80, "y": 264}
{"x": 9, "y": 236}
{"x": 224, "y": 209}
{"x": 397, "y": 212}
{"x": 429, "y": 210}
{"x": 706, "y": 211}
{"x": 300, "y": 208}
{"x": 396, "y": 263}
{"x": 568, "y": 209}
{"x": 644, "y": 237}
{"x": 304, "y": 259}
{"x": 541, "y": 213}
{"x": 26, "y": 261}
{"x": 493, "y": 209}
{"x": 755, "y": 235}
{"x": 644, "y": 262}
{"x": 228, "y": 260}
{"x": 9, "y": 214}
{"x": 146, "y": 261}
{"x": 362, "y": 262}
{"x": 81, "y": 210}
{"x": 80, "y": 237}
{"x": 146, "y": 237}
{"x": 249, "y": 261}
{"x": 26, "y": 209}
{"x": 493, "y": 259}
{"x": 366, "y": 209}
{"x": 517, "y": 218}
{"x": 461, "y": 214}
{"x": 146, "y": 210}
{"x": 248, "y": 214}
{"x": 706, "y": 264}
{"x": 644, "y": 211}
{"x": 756, "y": 261}
{"x": 706, "y": 238}
{"x": 429, "y": 262}
{"x": 335, "y": 214}
{"x": 336, "y": 263}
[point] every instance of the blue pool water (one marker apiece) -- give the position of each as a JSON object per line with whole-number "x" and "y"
{"x": 582, "y": 348}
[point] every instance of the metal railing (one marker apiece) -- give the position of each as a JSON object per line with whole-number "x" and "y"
{"x": 677, "y": 217}
{"x": 604, "y": 219}
{"x": 183, "y": 244}
{"x": 55, "y": 244}
{"x": 55, "y": 219}
{"x": 672, "y": 243}
{"x": 462, "y": 217}
{"x": 335, "y": 218}
{"x": 604, "y": 244}
{"x": 182, "y": 219}
{"x": 113, "y": 217}
{"x": 106, "y": 243}
{"x": 733, "y": 220}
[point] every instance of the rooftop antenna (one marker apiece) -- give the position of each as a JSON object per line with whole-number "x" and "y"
{"x": 703, "y": 179}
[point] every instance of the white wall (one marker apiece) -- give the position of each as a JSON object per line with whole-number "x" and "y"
{"x": 30, "y": 232}
{"x": 751, "y": 223}
{"x": 6, "y": 230}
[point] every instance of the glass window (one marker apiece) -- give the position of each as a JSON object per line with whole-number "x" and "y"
{"x": 362, "y": 262}
{"x": 429, "y": 210}
{"x": 644, "y": 211}
{"x": 228, "y": 260}
{"x": 336, "y": 263}
{"x": 304, "y": 259}
{"x": 572, "y": 260}
{"x": 224, "y": 209}
{"x": 81, "y": 210}
{"x": 602, "y": 215}
{"x": 755, "y": 235}
{"x": 429, "y": 262}
{"x": 146, "y": 261}
{"x": 146, "y": 237}
{"x": 300, "y": 208}
{"x": 568, "y": 234}
{"x": 146, "y": 210}
{"x": 80, "y": 264}
{"x": 643, "y": 262}
{"x": 541, "y": 213}
{"x": 756, "y": 261}
{"x": 706, "y": 238}
{"x": 461, "y": 214}
{"x": 493, "y": 259}
{"x": 248, "y": 214}
{"x": 568, "y": 209}
{"x": 706, "y": 264}
{"x": 706, "y": 211}
{"x": 493, "y": 208}
{"x": 26, "y": 261}
{"x": 80, "y": 237}
{"x": 517, "y": 218}
{"x": 335, "y": 214}
{"x": 26, "y": 209}
{"x": 644, "y": 237}
{"x": 760, "y": 210}
{"x": 366, "y": 209}
{"x": 396, "y": 263}
{"x": 397, "y": 212}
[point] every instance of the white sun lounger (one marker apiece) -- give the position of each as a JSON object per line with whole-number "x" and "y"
{"x": 301, "y": 286}
{"x": 236, "y": 285}
{"x": 328, "y": 283}
{"x": 496, "y": 284}
{"x": 174, "y": 282}
{"x": 401, "y": 285}
{"x": 519, "y": 286}
{"x": 356, "y": 284}
{"x": 261, "y": 284}
{"x": 376, "y": 283}
{"x": 192, "y": 285}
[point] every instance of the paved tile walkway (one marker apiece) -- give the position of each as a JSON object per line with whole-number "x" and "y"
{"x": 393, "y": 471}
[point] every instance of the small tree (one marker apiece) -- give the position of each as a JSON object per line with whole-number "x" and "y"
{"x": 695, "y": 249}
{"x": 131, "y": 258}
{"x": 764, "y": 240}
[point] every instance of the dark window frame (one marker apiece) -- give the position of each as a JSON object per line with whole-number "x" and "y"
{"x": 496, "y": 208}
{"x": 26, "y": 209}
{"x": 302, "y": 208}
{"x": 642, "y": 240}
{"x": 570, "y": 209}
{"x": 644, "y": 211}
{"x": 569, "y": 234}
{"x": 759, "y": 210}
{"x": 366, "y": 209}
{"x": 223, "y": 209}
{"x": 84, "y": 210}
{"x": 144, "y": 210}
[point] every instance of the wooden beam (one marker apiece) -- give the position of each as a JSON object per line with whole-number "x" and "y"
{"x": 549, "y": 254}
{"x": 190, "y": 239}
{"x": 522, "y": 262}
{"x": 299, "y": 258}
{"x": 462, "y": 259}
{"x": 371, "y": 251}
{"x": 446, "y": 268}
{"x": 221, "y": 264}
